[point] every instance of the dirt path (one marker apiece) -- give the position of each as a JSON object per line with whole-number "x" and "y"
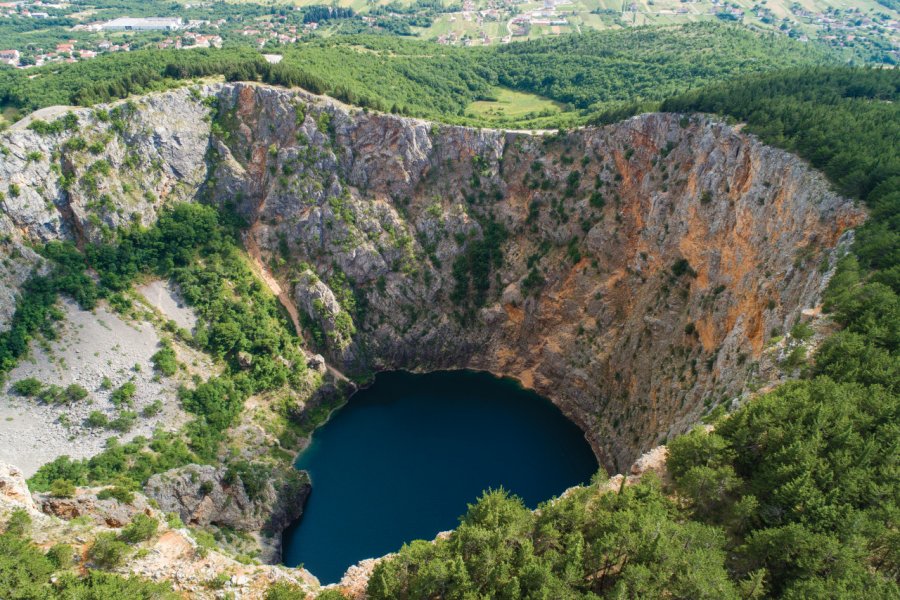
{"x": 263, "y": 273}
{"x": 286, "y": 301}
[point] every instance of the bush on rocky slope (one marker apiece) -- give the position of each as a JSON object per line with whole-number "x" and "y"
{"x": 27, "y": 572}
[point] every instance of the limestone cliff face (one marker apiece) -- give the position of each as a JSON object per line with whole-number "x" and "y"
{"x": 204, "y": 495}
{"x": 119, "y": 165}
{"x": 644, "y": 266}
{"x": 638, "y": 269}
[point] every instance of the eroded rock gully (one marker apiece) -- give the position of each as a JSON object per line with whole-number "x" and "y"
{"x": 639, "y": 271}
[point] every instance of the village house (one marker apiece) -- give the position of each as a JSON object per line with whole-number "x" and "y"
{"x": 9, "y": 57}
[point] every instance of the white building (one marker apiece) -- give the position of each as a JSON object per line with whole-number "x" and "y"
{"x": 143, "y": 24}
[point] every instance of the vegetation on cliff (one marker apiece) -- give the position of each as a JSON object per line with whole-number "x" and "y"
{"x": 26, "y": 571}
{"x": 846, "y": 123}
{"x": 195, "y": 245}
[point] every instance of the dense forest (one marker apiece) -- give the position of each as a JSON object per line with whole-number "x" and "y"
{"x": 596, "y": 71}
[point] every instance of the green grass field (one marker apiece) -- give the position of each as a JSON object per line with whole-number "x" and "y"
{"x": 511, "y": 104}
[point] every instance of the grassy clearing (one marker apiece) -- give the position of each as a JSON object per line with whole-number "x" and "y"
{"x": 511, "y": 104}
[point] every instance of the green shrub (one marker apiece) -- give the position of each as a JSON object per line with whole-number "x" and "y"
{"x": 124, "y": 421}
{"x": 97, "y": 419}
{"x": 795, "y": 358}
{"x": 106, "y": 551}
{"x": 682, "y": 267}
{"x": 54, "y": 394}
{"x": 141, "y": 529}
{"x": 75, "y": 392}
{"x": 152, "y": 409}
{"x": 24, "y": 570}
{"x": 119, "y": 493}
{"x": 19, "y": 522}
{"x": 802, "y": 331}
{"x": 62, "y": 488}
{"x": 165, "y": 360}
{"x": 173, "y": 520}
{"x": 28, "y": 387}
{"x": 218, "y": 582}
{"x": 281, "y": 590}
{"x": 61, "y": 555}
{"x": 124, "y": 394}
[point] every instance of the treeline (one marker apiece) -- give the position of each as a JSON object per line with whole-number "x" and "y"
{"x": 320, "y": 13}
{"x": 592, "y": 72}
{"x": 118, "y": 76}
{"x": 114, "y": 76}
{"x": 391, "y": 74}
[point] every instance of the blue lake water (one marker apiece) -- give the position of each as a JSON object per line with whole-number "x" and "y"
{"x": 405, "y": 456}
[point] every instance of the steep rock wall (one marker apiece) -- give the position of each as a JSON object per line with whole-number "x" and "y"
{"x": 636, "y": 271}
{"x": 667, "y": 249}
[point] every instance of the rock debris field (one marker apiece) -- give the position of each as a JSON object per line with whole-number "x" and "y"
{"x": 100, "y": 351}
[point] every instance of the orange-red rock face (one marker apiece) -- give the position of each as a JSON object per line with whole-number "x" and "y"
{"x": 670, "y": 249}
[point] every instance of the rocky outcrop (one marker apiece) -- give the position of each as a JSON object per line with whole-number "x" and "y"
{"x": 172, "y": 555}
{"x": 14, "y": 488}
{"x": 203, "y": 495}
{"x": 356, "y": 579}
{"x": 114, "y": 165}
{"x": 18, "y": 262}
{"x": 631, "y": 273}
{"x": 107, "y": 512}
{"x": 321, "y": 306}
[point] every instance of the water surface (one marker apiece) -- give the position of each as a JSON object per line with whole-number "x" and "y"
{"x": 403, "y": 458}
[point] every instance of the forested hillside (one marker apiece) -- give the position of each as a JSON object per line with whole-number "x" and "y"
{"x": 587, "y": 73}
